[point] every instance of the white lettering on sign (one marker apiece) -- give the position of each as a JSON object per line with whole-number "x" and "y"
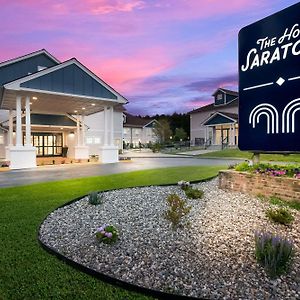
{"x": 285, "y": 46}
{"x": 272, "y": 116}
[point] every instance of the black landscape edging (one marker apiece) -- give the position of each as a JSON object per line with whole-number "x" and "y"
{"x": 114, "y": 281}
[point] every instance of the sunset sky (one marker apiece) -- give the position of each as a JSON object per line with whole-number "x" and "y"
{"x": 162, "y": 55}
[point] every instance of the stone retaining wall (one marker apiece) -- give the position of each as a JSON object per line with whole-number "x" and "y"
{"x": 255, "y": 184}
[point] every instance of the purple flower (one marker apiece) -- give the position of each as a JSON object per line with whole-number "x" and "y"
{"x": 102, "y": 232}
{"x": 108, "y": 234}
{"x": 100, "y": 229}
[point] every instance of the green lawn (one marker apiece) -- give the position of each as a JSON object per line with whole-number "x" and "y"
{"x": 235, "y": 153}
{"x": 26, "y": 270}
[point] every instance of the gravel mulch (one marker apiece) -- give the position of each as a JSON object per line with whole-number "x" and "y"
{"x": 212, "y": 257}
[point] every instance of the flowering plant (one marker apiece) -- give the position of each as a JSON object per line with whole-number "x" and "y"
{"x": 107, "y": 234}
{"x": 273, "y": 252}
{"x": 271, "y": 170}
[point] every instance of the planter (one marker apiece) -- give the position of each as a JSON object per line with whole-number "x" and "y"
{"x": 256, "y": 184}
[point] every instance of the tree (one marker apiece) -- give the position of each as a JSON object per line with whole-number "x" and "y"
{"x": 180, "y": 134}
{"x": 162, "y": 130}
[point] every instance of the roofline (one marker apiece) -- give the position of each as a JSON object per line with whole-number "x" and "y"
{"x": 219, "y": 105}
{"x": 26, "y": 56}
{"x": 218, "y": 113}
{"x": 223, "y": 91}
{"x": 15, "y": 85}
{"x": 154, "y": 120}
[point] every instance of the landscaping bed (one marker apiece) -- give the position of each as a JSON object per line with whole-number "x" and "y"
{"x": 210, "y": 257}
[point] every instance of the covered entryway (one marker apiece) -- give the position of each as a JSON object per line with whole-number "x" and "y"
{"x": 221, "y": 129}
{"x": 67, "y": 90}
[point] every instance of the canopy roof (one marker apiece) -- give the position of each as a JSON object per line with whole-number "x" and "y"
{"x": 67, "y": 87}
{"x": 219, "y": 118}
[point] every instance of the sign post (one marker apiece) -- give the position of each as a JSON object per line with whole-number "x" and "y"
{"x": 269, "y": 83}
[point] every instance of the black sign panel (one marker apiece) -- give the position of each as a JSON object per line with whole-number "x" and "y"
{"x": 269, "y": 83}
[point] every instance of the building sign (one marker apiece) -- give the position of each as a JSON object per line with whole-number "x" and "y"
{"x": 269, "y": 83}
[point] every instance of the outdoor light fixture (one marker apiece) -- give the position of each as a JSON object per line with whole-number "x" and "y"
{"x": 61, "y": 128}
{"x": 93, "y": 104}
{"x": 34, "y": 98}
{"x": 75, "y": 111}
{"x": 83, "y": 108}
{"x": 71, "y": 134}
{"x": 30, "y": 103}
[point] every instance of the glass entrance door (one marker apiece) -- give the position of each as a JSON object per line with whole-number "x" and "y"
{"x": 47, "y": 144}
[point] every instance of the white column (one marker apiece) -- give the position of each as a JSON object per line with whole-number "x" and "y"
{"x": 233, "y": 134}
{"x": 82, "y": 131}
{"x": 111, "y": 126}
{"x": 19, "y": 122}
{"x": 77, "y": 131}
{"x": 27, "y": 118}
{"x": 105, "y": 127}
{"x": 205, "y": 135}
{"x": 10, "y": 128}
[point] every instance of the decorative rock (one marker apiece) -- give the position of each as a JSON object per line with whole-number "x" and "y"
{"x": 213, "y": 257}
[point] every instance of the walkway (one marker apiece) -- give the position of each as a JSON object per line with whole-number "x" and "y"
{"x": 61, "y": 172}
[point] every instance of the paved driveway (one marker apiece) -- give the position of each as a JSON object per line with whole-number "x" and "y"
{"x": 61, "y": 172}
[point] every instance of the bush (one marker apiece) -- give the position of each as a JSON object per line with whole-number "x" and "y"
{"x": 177, "y": 210}
{"x": 107, "y": 234}
{"x": 156, "y": 147}
{"x": 273, "y": 252}
{"x": 95, "y": 198}
{"x": 280, "y": 215}
{"x": 184, "y": 184}
{"x": 243, "y": 167}
{"x": 194, "y": 193}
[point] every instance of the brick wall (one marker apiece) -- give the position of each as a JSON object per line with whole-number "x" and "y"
{"x": 254, "y": 184}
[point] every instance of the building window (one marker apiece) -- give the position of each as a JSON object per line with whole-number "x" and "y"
{"x": 137, "y": 132}
{"x": 219, "y": 97}
{"x": 89, "y": 140}
{"x": 97, "y": 140}
{"x": 126, "y": 130}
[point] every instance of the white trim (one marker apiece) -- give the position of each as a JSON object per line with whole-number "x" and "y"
{"x": 15, "y": 85}
{"x": 218, "y": 113}
{"x": 20, "y": 58}
{"x": 150, "y": 123}
{"x": 66, "y": 95}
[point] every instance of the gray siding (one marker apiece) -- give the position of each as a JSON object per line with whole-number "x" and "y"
{"x": 22, "y": 68}
{"x": 196, "y": 119}
{"x": 71, "y": 80}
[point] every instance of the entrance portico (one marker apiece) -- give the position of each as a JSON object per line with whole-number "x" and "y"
{"x": 67, "y": 89}
{"x": 221, "y": 129}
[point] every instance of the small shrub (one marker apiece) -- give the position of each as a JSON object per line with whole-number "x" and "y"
{"x": 177, "y": 210}
{"x": 273, "y": 252}
{"x": 243, "y": 167}
{"x": 107, "y": 234}
{"x": 280, "y": 215}
{"x": 194, "y": 193}
{"x": 95, "y": 198}
{"x": 156, "y": 147}
{"x": 184, "y": 184}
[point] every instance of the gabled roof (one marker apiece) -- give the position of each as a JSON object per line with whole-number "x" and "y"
{"x": 138, "y": 122}
{"x": 52, "y": 120}
{"x": 23, "y": 57}
{"x": 221, "y": 118}
{"x": 228, "y": 92}
{"x": 25, "y": 83}
{"x": 212, "y": 107}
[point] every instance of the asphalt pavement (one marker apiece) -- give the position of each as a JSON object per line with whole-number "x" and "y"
{"x": 69, "y": 171}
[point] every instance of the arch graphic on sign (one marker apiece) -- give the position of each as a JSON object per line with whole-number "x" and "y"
{"x": 288, "y": 115}
{"x": 270, "y": 112}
